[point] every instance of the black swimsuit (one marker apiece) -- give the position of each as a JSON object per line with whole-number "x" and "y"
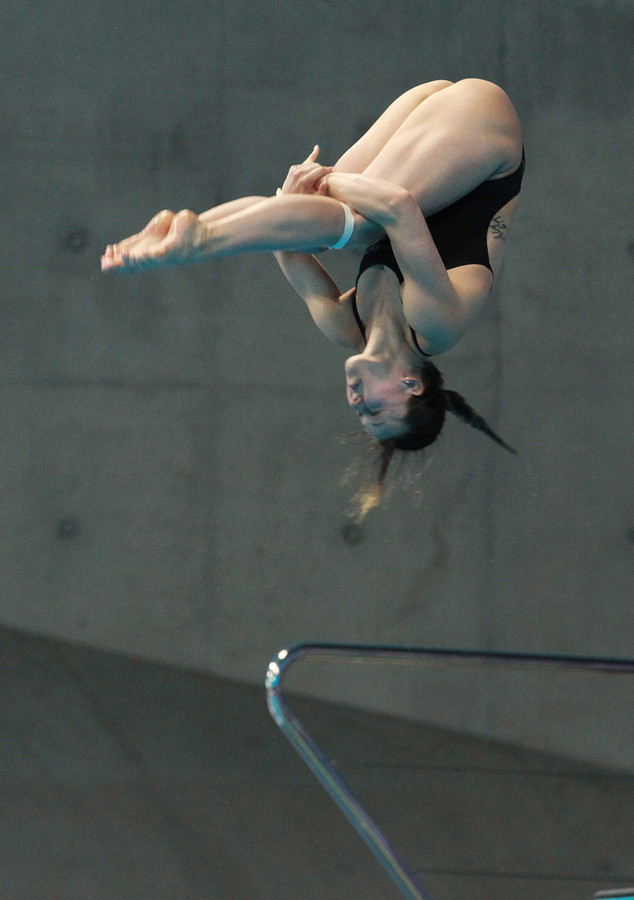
{"x": 459, "y": 232}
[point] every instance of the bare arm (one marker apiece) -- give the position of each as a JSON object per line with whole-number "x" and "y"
{"x": 438, "y": 307}
{"x": 331, "y": 310}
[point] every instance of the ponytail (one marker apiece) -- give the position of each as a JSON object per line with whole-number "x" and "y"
{"x": 371, "y": 492}
{"x": 459, "y": 407}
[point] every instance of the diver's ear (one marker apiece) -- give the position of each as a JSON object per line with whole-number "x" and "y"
{"x": 414, "y": 387}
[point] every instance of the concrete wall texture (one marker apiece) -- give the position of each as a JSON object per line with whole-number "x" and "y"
{"x": 172, "y": 442}
{"x": 123, "y": 779}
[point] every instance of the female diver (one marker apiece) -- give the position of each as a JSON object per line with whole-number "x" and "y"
{"x": 428, "y": 194}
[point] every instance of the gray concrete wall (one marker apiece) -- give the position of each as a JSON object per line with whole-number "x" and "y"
{"x": 172, "y": 448}
{"x": 128, "y": 780}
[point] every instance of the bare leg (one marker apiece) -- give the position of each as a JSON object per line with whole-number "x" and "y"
{"x": 438, "y": 141}
{"x": 299, "y": 222}
{"x": 157, "y": 230}
{"x": 367, "y": 148}
{"x": 228, "y": 209}
{"x": 451, "y": 140}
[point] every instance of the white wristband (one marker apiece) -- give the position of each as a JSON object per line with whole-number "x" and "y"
{"x": 348, "y": 228}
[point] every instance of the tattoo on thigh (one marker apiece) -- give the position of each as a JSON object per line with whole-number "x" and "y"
{"x": 498, "y": 228}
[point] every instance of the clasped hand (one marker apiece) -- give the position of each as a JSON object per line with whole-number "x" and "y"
{"x": 306, "y": 177}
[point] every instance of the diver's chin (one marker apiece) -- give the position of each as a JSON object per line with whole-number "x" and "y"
{"x": 382, "y": 434}
{"x": 351, "y": 366}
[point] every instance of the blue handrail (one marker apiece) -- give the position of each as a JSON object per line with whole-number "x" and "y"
{"x": 319, "y": 764}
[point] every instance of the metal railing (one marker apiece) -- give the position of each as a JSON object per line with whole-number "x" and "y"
{"x": 324, "y": 771}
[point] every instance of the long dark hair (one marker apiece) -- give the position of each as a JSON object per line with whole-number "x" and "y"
{"x": 424, "y": 419}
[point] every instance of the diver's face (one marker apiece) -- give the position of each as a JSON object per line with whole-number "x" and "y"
{"x": 379, "y": 394}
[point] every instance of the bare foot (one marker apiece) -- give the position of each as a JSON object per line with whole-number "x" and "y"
{"x": 167, "y": 240}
